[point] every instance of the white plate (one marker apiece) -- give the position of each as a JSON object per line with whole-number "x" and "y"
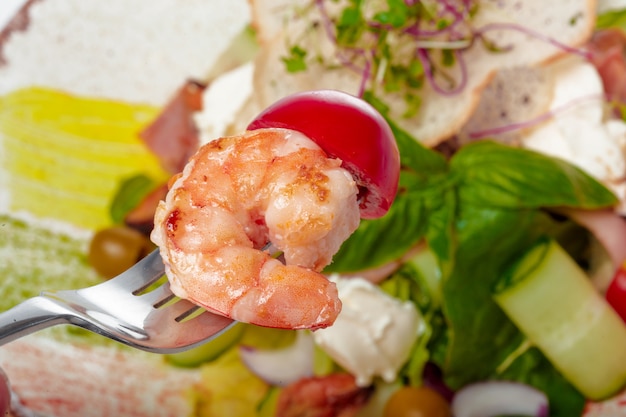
{"x": 7, "y": 9}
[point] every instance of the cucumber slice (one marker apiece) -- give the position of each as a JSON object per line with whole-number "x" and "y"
{"x": 550, "y": 298}
{"x": 207, "y": 351}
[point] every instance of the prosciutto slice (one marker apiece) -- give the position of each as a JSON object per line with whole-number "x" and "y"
{"x": 173, "y": 136}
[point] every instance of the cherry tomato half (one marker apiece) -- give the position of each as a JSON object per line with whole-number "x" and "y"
{"x": 417, "y": 402}
{"x": 616, "y": 293}
{"x": 347, "y": 128}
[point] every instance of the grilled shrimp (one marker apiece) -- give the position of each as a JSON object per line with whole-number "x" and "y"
{"x": 236, "y": 196}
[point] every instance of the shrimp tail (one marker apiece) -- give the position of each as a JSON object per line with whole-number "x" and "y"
{"x": 289, "y": 297}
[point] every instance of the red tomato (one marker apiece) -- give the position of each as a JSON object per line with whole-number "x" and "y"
{"x": 347, "y": 128}
{"x": 616, "y": 293}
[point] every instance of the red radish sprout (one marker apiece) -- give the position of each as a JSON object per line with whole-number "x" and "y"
{"x": 422, "y": 54}
{"x": 458, "y": 15}
{"x": 519, "y": 28}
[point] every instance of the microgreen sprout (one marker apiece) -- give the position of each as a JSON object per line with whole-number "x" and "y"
{"x": 396, "y": 46}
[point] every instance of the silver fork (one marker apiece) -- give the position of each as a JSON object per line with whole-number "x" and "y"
{"x": 126, "y": 308}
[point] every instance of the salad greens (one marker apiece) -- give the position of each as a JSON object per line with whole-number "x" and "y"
{"x": 129, "y": 194}
{"x": 567, "y": 329}
{"x": 612, "y": 19}
{"x": 477, "y": 212}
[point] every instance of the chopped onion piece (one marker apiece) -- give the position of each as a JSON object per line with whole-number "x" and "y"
{"x": 283, "y": 366}
{"x": 497, "y": 398}
{"x": 607, "y": 226}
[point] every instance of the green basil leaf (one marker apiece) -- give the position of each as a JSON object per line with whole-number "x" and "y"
{"x": 414, "y": 156}
{"x": 496, "y": 175}
{"x": 296, "y": 60}
{"x": 441, "y": 227}
{"x": 612, "y": 19}
{"x": 129, "y": 194}
{"x": 377, "y": 242}
{"x": 480, "y": 335}
{"x": 424, "y": 204}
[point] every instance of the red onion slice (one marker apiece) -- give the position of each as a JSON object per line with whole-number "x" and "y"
{"x": 497, "y": 398}
{"x": 607, "y": 226}
{"x": 281, "y": 367}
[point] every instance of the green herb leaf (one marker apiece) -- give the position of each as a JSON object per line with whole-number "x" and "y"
{"x": 129, "y": 194}
{"x": 350, "y": 24}
{"x": 447, "y": 57}
{"x": 379, "y": 241}
{"x": 497, "y": 175}
{"x": 396, "y": 15}
{"x": 422, "y": 207}
{"x": 424, "y": 162}
{"x": 413, "y": 104}
{"x": 479, "y": 332}
{"x": 296, "y": 61}
{"x": 612, "y": 19}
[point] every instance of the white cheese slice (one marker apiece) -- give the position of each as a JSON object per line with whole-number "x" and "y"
{"x": 374, "y": 333}
{"x": 222, "y": 100}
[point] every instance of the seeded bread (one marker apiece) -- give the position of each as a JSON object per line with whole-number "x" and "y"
{"x": 569, "y": 22}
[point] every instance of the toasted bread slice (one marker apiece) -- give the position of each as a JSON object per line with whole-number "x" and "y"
{"x": 510, "y": 25}
{"x": 513, "y": 97}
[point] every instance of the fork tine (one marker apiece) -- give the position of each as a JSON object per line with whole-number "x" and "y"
{"x": 159, "y": 296}
{"x": 119, "y": 309}
{"x": 143, "y": 274}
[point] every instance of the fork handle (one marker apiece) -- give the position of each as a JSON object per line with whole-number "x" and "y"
{"x": 31, "y": 315}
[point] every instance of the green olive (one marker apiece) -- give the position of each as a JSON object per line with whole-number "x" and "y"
{"x": 417, "y": 402}
{"x": 115, "y": 249}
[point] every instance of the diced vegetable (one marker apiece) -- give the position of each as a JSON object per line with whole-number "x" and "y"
{"x": 499, "y": 398}
{"x": 616, "y": 293}
{"x": 208, "y": 351}
{"x": 425, "y": 262}
{"x": 553, "y": 302}
{"x": 141, "y": 217}
{"x": 115, "y": 249}
{"x": 267, "y": 407}
{"x": 417, "y": 402}
{"x": 129, "y": 194}
{"x": 283, "y": 366}
{"x": 347, "y": 128}
{"x": 377, "y": 402}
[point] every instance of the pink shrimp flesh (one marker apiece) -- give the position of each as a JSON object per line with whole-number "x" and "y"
{"x": 235, "y": 196}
